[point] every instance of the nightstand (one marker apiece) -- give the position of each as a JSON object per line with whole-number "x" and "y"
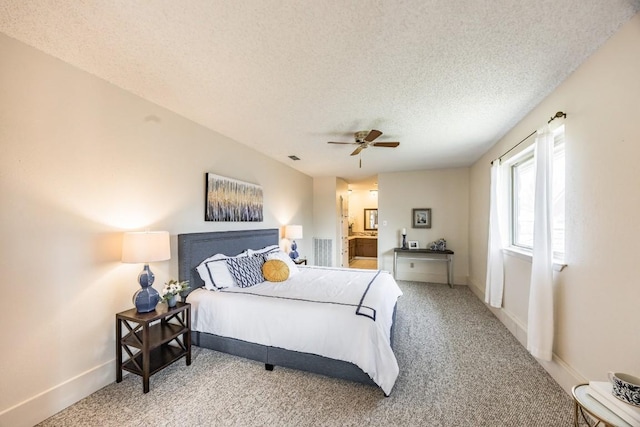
{"x": 300, "y": 261}
{"x": 152, "y": 340}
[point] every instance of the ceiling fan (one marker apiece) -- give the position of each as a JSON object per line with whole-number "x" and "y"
{"x": 365, "y": 138}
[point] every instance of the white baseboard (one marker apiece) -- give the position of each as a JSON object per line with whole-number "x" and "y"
{"x": 559, "y": 370}
{"x": 42, "y": 406}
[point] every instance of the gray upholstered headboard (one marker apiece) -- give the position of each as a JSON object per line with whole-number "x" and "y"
{"x": 194, "y": 248}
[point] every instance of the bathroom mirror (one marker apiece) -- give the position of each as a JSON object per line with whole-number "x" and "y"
{"x": 371, "y": 219}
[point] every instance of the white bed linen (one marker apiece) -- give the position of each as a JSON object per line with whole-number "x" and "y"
{"x": 312, "y": 312}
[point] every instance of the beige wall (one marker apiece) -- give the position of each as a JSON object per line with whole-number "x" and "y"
{"x": 446, "y": 192}
{"x": 81, "y": 161}
{"x": 597, "y": 295}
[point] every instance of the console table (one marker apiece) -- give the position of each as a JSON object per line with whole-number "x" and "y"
{"x": 425, "y": 255}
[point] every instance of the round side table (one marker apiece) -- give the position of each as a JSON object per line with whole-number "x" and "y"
{"x": 592, "y": 412}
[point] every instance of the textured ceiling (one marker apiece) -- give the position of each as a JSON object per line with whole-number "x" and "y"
{"x": 446, "y": 78}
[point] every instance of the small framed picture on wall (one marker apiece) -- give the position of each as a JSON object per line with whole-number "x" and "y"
{"x": 421, "y": 218}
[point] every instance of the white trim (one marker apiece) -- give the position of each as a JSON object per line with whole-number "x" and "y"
{"x": 49, "y": 402}
{"x": 558, "y": 265}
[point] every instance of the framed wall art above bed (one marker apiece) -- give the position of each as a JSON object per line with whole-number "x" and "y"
{"x": 230, "y": 200}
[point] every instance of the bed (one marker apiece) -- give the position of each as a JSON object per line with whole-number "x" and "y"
{"x": 293, "y": 353}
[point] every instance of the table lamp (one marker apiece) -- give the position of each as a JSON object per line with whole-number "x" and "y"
{"x": 145, "y": 247}
{"x": 292, "y": 232}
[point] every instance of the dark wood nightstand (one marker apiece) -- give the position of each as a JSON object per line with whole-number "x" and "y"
{"x": 300, "y": 261}
{"x": 152, "y": 340}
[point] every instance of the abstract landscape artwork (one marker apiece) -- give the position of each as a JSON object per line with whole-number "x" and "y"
{"x": 230, "y": 200}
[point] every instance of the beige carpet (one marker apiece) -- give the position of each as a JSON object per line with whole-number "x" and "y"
{"x": 459, "y": 366}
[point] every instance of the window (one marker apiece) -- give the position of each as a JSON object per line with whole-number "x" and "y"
{"x": 522, "y": 189}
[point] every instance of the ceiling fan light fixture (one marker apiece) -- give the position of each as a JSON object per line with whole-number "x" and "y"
{"x": 364, "y": 139}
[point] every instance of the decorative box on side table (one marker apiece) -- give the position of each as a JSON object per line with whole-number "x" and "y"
{"x": 152, "y": 340}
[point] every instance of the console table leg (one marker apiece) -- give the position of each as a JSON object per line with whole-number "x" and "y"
{"x": 395, "y": 264}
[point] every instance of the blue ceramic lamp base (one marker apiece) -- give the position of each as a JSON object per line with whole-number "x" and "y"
{"x": 147, "y": 298}
{"x": 294, "y": 252}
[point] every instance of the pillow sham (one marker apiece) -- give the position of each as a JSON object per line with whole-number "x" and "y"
{"x": 247, "y": 271}
{"x": 214, "y": 272}
{"x": 264, "y": 251}
{"x": 280, "y": 255}
{"x": 275, "y": 270}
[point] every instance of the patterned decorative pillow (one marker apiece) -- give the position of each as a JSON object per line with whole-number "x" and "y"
{"x": 275, "y": 270}
{"x": 247, "y": 271}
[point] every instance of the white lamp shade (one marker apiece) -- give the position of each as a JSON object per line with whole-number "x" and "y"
{"x": 293, "y": 232}
{"x": 145, "y": 247}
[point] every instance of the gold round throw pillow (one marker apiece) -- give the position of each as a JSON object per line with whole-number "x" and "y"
{"x": 275, "y": 270}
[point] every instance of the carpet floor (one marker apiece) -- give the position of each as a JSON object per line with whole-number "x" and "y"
{"x": 459, "y": 366}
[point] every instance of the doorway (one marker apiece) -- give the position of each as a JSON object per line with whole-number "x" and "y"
{"x": 363, "y": 224}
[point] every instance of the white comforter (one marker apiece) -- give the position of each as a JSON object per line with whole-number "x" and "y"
{"x": 343, "y": 314}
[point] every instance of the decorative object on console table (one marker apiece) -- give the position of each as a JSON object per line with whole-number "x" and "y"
{"x": 404, "y": 238}
{"x": 413, "y": 244}
{"x": 438, "y": 245}
{"x": 293, "y": 232}
{"x": 153, "y": 340}
{"x": 145, "y": 247}
{"x": 421, "y": 218}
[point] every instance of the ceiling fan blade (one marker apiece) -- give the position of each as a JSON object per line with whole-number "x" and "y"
{"x": 331, "y": 142}
{"x": 386, "y": 144}
{"x": 373, "y": 134}
{"x": 357, "y": 151}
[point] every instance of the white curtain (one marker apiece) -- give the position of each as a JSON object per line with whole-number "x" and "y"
{"x": 494, "y": 285}
{"x": 540, "y": 321}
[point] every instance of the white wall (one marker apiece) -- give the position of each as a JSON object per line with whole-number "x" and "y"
{"x": 81, "y": 161}
{"x": 597, "y": 295}
{"x": 446, "y": 193}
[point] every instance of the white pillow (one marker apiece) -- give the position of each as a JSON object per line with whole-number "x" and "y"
{"x": 282, "y": 256}
{"x": 215, "y": 274}
{"x": 264, "y": 251}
